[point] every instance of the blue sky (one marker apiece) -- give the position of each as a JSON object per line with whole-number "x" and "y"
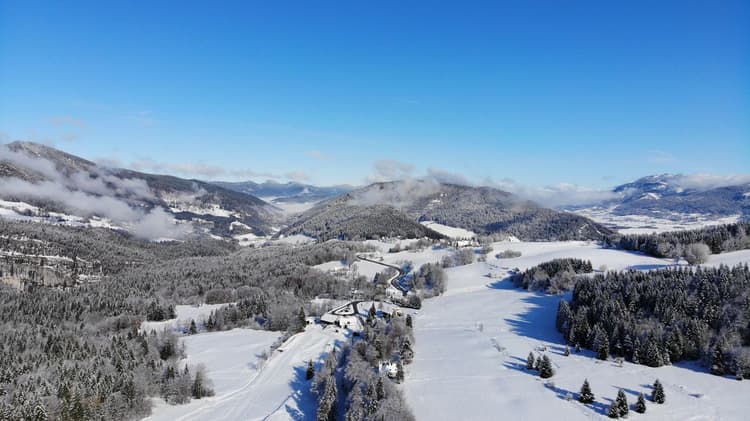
{"x": 589, "y": 93}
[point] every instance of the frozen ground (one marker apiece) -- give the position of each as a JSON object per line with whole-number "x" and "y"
{"x": 185, "y": 314}
{"x": 451, "y": 232}
{"x": 462, "y": 371}
{"x": 642, "y": 224}
{"x": 289, "y": 208}
{"x": 246, "y": 387}
{"x": 471, "y": 347}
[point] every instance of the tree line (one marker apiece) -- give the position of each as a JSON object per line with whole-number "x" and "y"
{"x": 663, "y": 316}
{"x": 554, "y": 276}
{"x": 675, "y": 244}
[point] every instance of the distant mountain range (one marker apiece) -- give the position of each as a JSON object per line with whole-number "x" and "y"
{"x": 286, "y": 192}
{"x": 41, "y": 182}
{"x": 670, "y": 195}
{"x": 397, "y": 207}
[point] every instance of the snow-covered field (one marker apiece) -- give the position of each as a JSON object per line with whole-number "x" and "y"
{"x": 450, "y": 232}
{"x": 471, "y": 346}
{"x": 463, "y": 372}
{"x": 642, "y": 224}
{"x": 246, "y": 387}
{"x": 185, "y": 314}
{"x": 289, "y": 208}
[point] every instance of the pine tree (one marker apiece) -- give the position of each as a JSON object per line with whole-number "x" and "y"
{"x": 301, "y": 321}
{"x": 399, "y": 372}
{"x": 545, "y": 368}
{"x": 39, "y": 413}
{"x": 372, "y": 401}
{"x": 718, "y": 365}
{"x": 530, "y": 360}
{"x": 612, "y": 411}
{"x": 621, "y": 402}
{"x": 327, "y": 402}
{"x": 198, "y": 388}
{"x": 640, "y": 406}
{"x": 603, "y": 351}
{"x": 586, "y": 395}
{"x": 310, "y": 373}
{"x": 636, "y": 351}
{"x": 658, "y": 394}
{"x": 653, "y": 356}
{"x": 380, "y": 389}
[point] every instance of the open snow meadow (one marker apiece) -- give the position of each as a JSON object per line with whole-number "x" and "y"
{"x": 472, "y": 345}
{"x": 471, "y": 348}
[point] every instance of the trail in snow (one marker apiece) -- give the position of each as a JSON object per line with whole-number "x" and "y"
{"x": 278, "y": 391}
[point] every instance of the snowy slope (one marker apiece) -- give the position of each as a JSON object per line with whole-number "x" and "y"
{"x": 450, "y": 232}
{"x": 184, "y": 313}
{"x": 247, "y": 389}
{"x": 464, "y": 372}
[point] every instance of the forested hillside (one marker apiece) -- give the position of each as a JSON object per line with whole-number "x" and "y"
{"x": 75, "y": 353}
{"x": 664, "y": 316}
{"x": 389, "y": 207}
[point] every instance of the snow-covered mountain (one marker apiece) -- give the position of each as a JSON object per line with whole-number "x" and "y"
{"x": 670, "y": 195}
{"x": 39, "y": 182}
{"x": 482, "y": 210}
{"x": 290, "y": 192}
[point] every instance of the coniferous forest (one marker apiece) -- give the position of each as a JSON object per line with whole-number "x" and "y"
{"x": 719, "y": 239}
{"x": 664, "y": 316}
{"x": 74, "y": 351}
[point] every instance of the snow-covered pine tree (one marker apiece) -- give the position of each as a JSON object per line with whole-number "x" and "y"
{"x": 612, "y": 411}
{"x": 372, "y": 400}
{"x": 640, "y": 405}
{"x": 300, "y": 320}
{"x": 603, "y": 351}
{"x": 653, "y": 357}
{"x": 658, "y": 395}
{"x": 327, "y": 402}
{"x": 530, "y": 360}
{"x": 586, "y": 395}
{"x": 621, "y": 402}
{"x": 718, "y": 365}
{"x": 545, "y": 368}
{"x": 310, "y": 372}
{"x": 380, "y": 389}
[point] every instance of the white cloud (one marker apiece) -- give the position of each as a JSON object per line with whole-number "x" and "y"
{"x": 448, "y": 177}
{"x": 390, "y": 170}
{"x": 558, "y": 195}
{"x": 184, "y": 168}
{"x": 707, "y": 181}
{"x": 297, "y": 176}
{"x": 97, "y": 193}
{"x": 204, "y": 171}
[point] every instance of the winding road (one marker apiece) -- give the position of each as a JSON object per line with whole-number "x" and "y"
{"x": 394, "y": 281}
